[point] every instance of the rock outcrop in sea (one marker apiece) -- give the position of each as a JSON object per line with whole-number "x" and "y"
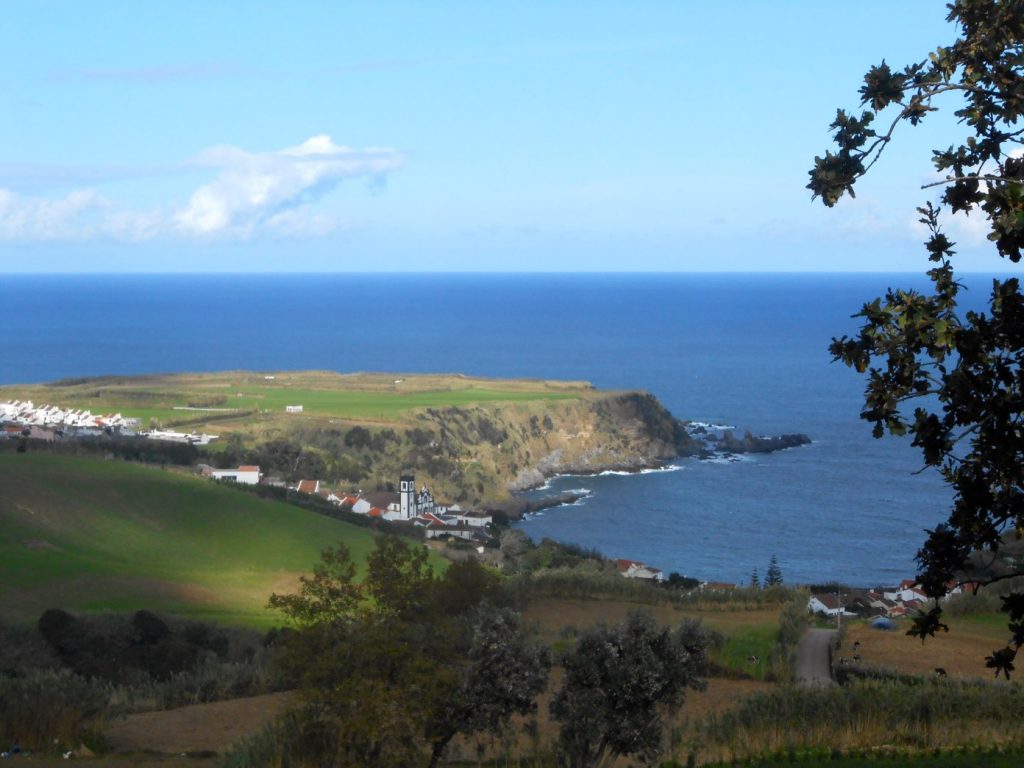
{"x": 749, "y": 443}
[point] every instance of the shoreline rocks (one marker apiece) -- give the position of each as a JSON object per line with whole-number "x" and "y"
{"x": 516, "y": 508}
{"x": 750, "y": 443}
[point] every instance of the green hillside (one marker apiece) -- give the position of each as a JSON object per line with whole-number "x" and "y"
{"x": 88, "y": 534}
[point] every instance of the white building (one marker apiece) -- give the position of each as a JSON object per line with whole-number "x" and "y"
{"x": 293, "y": 409}
{"x": 407, "y": 497}
{"x": 634, "y": 569}
{"x": 827, "y": 605}
{"x": 247, "y": 475}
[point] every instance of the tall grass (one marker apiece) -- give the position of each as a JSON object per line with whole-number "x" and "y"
{"x": 925, "y": 715}
{"x": 47, "y": 709}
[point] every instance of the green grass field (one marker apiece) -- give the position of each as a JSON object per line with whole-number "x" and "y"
{"x": 87, "y": 534}
{"x": 375, "y": 405}
{"x": 373, "y": 397}
{"x": 758, "y": 640}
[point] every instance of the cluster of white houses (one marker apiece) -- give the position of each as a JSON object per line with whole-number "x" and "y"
{"x": 892, "y": 602}
{"x": 48, "y": 422}
{"x": 52, "y": 418}
{"x": 408, "y": 505}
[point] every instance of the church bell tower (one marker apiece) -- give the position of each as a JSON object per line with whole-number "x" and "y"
{"x": 407, "y": 496}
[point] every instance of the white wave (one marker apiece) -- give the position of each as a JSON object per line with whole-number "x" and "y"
{"x": 647, "y": 471}
{"x": 666, "y": 468}
{"x": 581, "y": 491}
{"x": 731, "y": 458}
{"x": 709, "y": 425}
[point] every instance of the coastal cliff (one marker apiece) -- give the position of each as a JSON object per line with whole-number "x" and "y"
{"x": 503, "y": 448}
{"x": 473, "y": 441}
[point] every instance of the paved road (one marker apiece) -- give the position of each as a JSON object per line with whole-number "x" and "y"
{"x": 812, "y": 657}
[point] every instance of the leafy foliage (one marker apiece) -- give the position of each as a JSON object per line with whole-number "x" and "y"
{"x": 619, "y": 684}
{"x": 962, "y": 372}
{"x": 394, "y": 667}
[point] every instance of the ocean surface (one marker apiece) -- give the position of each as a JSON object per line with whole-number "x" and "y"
{"x": 748, "y": 351}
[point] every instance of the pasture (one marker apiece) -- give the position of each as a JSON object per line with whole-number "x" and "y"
{"x": 961, "y": 651}
{"x": 88, "y": 534}
{"x": 353, "y": 397}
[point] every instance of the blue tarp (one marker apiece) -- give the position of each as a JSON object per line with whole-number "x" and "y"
{"x": 883, "y": 623}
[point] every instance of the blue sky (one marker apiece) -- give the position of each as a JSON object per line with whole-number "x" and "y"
{"x": 591, "y": 136}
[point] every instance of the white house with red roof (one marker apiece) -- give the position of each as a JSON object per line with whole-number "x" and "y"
{"x": 828, "y": 604}
{"x": 909, "y": 591}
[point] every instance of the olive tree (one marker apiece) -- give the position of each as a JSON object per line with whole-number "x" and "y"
{"x": 619, "y": 684}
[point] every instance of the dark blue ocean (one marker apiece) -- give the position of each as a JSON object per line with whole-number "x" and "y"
{"x": 743, "y": 350}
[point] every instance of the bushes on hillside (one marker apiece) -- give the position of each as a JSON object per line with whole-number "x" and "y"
{"x": 126, "y": 448}
{"x": 118, "y": 650}
{"x": 62, "y": 679}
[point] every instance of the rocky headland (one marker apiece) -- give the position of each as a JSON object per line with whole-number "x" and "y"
{"x": 477, "y": 442}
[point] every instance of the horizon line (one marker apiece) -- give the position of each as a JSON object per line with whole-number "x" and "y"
{"x": 484, "y": 273}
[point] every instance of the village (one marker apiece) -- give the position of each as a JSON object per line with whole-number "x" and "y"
{"x": 47, "y": 422}
{"x": 883, "y": 604}
{"x": 438, "y": 521}
{"x": 51, "y": 422}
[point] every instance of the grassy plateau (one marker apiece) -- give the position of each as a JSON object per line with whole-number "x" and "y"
{"x": 324, "y": 395}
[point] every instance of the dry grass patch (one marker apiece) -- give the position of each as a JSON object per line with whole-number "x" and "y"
{"x": 550, "y": 615}
{"x": 198, "y": 728}
{"x": 961, "y": 651}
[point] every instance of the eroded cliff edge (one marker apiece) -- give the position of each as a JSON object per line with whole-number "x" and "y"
{"x": 502, "y": 448}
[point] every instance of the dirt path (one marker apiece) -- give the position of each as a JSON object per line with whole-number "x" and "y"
{"x": 197, "y": 728}
{"x": 812, "y": 667}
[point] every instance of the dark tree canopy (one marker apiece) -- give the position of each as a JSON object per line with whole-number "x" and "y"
{"x": 952, "y": 380}
{"x": 620, "y": 682}
{"x": 393, "y": 667}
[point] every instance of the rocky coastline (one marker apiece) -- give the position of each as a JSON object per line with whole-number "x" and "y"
{"x": 690, "y": 440}
{"x": 517, "y": 508}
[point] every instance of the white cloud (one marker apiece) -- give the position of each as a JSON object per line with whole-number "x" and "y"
{"x": 254, "y": 191}
{"x": 27, "y": 218}
{"x": 252, "y": 194}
